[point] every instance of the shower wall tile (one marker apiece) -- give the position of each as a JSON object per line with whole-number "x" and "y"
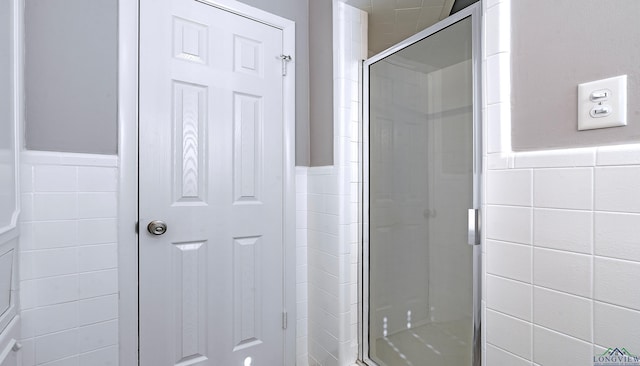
{"x": 68, "y": 283}
{"x": 564, "y": 313}
{"x": 98, "y": 309}
{"x": 564, "y": 230}
{"x": 509, "y": 260}
{"x": 512, "y": 187}
{"x": 97, "y": 257}
{"x": 55, "y": 318}
{"x": 509, "y": 297}
{"x": 97, "y": 231}
{"x": 55, "y": 346}
{"x": 52, "y": 234}
{"x": 99, "y": 335}
{"x": 497, "y": 19}
{"x": 495, "y": 113}
{"x": 93, "y": 205}
{"x": 553, "y": 348}
{"x": 26, "y": 206}
{"x": 96, "y": 179}
{"x": 615, "y": 324}
{"x": 615, "y": 282}
{"x": 497, "y": 356}
{"x": 491, "y": 3}
{"x": 617, "y": 189}
{"x": 55, "y": 178}
{"x": 563, "y": 188}
{"x": 48, "y": 263}
{"x": 104, "y": 356}
{"x": 498, "y": 161}
{"x": 617, "y": 235}
{"x": 563, "y": 271}
{"x": 509, "y": 333}
{"x": 55, "y": 206}
{"x": 483, "y": 280}
{"x": 498, "y": 89}
{"x": 507, "y": 223}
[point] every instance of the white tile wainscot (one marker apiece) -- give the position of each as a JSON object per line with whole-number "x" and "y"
{"x": 333, "y": 196}
{"x": 571, "y": 261}
{"x": 302, "y": 271}
{"x": 561, "y": 232}
{"x": 68, "y": 259}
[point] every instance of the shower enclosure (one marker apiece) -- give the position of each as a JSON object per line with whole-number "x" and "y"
{"x": 421, "y": 252}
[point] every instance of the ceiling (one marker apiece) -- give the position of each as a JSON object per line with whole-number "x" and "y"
{"x": 391, "y": 21}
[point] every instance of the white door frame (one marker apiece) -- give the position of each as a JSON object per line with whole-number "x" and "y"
{"x": 128, "y": 48}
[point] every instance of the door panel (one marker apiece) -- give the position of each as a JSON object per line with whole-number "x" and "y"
{"x": 211, "y": 167}
{"x": 422, "y": 139}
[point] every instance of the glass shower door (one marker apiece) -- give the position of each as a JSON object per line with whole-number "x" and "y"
{"x": 420, "y": 275}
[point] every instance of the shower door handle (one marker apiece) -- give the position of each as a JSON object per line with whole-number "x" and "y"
{"x": 473, "y": 219}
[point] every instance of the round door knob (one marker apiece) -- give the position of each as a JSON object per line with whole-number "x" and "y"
{"x": 157, "y": 227}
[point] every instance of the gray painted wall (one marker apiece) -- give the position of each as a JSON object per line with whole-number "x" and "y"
{"x": 298, "y": 11}
{"x": 6, "y": 79}
{"x": 71, "y": 75}
{"x": 558, "y": 44}
{"x": 7, "y": 121}
{"x": 321, "y": 82}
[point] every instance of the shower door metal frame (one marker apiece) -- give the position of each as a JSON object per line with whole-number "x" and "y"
{"x": 475, "y": 12}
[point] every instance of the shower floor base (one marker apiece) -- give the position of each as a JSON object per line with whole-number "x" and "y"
{"x": 433, "y": 344}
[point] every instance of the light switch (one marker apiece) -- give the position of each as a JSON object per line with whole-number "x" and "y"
{"x": 602, "y": 103}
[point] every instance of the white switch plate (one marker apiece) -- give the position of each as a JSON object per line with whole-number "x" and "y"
{"x": 616, "y": 102}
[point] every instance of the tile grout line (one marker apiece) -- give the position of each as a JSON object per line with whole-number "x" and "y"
{"x": 593, "y": 254}
{"x": 533, "y": 320}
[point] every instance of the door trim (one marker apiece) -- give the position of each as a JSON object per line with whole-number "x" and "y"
{"x": 10, "y": 230}
{"x": 128, "y": 87}
{"x": 475, "y": 12}
{"x": 128, "y": 182}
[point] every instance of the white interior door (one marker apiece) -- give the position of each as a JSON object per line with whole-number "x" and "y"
{"x": 211, "y": 168}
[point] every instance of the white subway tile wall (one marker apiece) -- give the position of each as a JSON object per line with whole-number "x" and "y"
{"x": 564, "y": 313}
{"x": 554, "y": 348}
{"x": 333, "y": 217}
{"x": 498, "y": 357}
{"x": 562, "y": 239}
{"x": 511, "y": 187}
{"x": 615, "y": 324}
{"x": 509, "y": 224}
{"x": 563, "y": 230}
{"x": 509, "y": 333}
{"x": 583, "y": 261}
{"x": 302, "y": 276}
{"x": 323, "y": 269}
{"x": 68, "y": 259}
{"x": 570, "y": 188}
{"x": 509, "y": 260}
{"x": 509, "y": 297}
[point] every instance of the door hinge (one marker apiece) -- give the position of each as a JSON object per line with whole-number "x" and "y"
{"x": 285, "y": 59}
{"x": 284, "y": 320}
